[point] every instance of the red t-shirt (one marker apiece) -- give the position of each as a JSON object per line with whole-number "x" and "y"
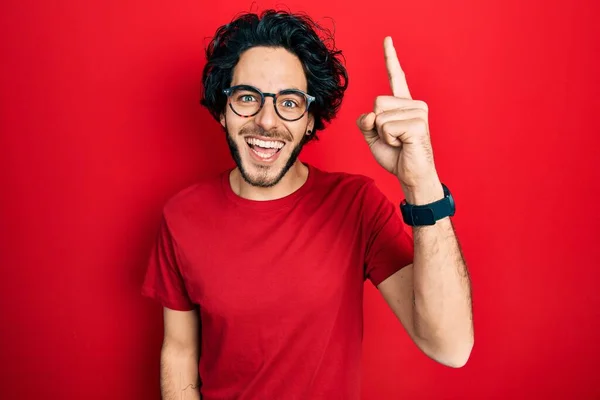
{"x": 278, "y": 284}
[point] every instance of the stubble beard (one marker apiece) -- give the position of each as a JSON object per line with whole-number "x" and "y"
{"x": 263, "y": 178}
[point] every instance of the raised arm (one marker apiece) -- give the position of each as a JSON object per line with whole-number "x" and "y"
{"x": 431, "y": 297}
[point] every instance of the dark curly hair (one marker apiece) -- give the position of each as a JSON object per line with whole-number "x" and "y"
{"x": 326, "y": 76}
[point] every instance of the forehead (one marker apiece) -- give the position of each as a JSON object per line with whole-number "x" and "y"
{"x": 269, "y": 69}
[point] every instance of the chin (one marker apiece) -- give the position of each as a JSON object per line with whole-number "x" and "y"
{"x": 260, "y": 176}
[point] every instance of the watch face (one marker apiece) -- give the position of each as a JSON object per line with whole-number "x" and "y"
{"x": 451, "y": 204}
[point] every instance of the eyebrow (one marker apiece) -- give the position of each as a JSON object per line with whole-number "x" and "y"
{"x": 280, "y": 90}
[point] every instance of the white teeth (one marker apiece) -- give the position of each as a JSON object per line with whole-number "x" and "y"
{"x": 262, "y": 155}
{"x": 265, "y": 144}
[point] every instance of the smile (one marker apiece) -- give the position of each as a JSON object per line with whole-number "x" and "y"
{"x": 264, "y": 150}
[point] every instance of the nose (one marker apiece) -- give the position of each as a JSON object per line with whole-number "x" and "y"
{"x": 267, "y": 117}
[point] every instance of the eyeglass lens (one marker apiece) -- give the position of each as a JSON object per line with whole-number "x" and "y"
{"x": 290, "y": 105}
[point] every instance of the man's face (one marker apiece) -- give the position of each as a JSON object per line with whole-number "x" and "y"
{"x": 266, "y": 146}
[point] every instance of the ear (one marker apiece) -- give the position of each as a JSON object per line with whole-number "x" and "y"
{"x": 222, "y": 119}
{"x": 310, "y": 127}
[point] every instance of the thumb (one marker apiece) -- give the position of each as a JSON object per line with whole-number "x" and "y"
{"x": 366, "y": 123}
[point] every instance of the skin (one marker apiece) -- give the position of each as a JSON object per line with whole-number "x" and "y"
{"x": 179, "y": 356}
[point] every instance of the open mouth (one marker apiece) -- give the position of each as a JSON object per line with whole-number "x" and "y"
{"x": 265, "y": 149}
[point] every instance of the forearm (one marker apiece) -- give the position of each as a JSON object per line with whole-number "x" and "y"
{"x": 179, "y": 374}
{"x": 442, "y": 292}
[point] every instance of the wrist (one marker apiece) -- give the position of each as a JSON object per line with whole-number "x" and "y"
{"x": 424, "y": 193}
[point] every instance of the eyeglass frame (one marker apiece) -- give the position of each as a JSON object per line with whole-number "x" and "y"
{"x": 263, "y": 95}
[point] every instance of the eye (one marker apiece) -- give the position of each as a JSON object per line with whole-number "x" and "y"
{"x": 246, "y": 98}
{"x": 287, "y": 103}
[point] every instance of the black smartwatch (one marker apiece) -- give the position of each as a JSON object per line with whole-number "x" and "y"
{"x": 428, "y": 214}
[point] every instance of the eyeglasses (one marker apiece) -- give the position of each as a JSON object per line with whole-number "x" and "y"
{"x": 246, "y": 101}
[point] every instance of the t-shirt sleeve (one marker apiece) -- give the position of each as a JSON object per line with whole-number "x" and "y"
{"x": 389, "y": 244}
{"x": 164, "y": 281}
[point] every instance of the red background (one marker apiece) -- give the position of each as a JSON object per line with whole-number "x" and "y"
{"x": 100, "y": 124}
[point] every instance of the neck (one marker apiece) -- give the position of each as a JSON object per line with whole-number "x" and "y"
{"x": 291, "y": 181}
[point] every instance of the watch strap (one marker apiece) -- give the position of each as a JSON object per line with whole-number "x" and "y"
{"x": 428, "y": 214}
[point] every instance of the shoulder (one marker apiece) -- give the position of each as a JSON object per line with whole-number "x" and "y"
{"x": 200, "y": 195}
{"x": 347, "y": 188}
{"x": 341, "y": 180}
{"x": 351, "y": 186}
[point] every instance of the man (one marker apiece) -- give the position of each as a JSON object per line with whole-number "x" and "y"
{"x": 261, "y": 269}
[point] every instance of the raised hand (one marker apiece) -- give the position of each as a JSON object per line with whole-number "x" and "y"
{"x": 397, "y": 130}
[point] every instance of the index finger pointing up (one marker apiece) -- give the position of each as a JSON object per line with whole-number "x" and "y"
{"x": 395, "y": 72}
